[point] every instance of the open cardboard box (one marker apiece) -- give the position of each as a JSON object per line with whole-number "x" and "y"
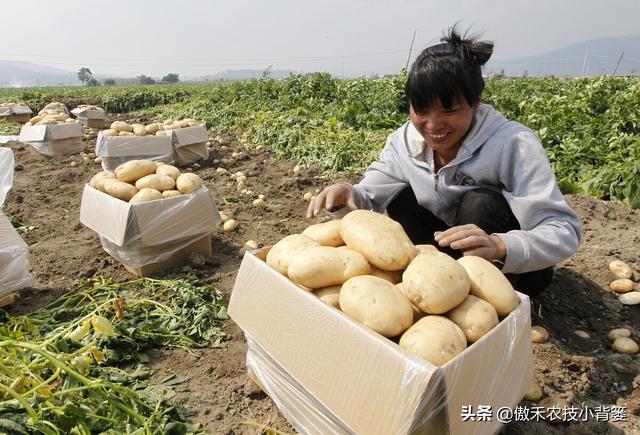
{"x": 328, "y": 373}
{"x": 154, "y": 235}
{"x": 90, "y": 118}
{"x": 190, "y": 144}
{"x": 115, "y": 150}
{"x": 53, "y": 140}
{"x": 19, "y": 114}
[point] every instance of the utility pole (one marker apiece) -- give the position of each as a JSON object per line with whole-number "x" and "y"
{"x": 584, "y": 62}
{"x": 618, "y": 64}
{"x": 410, "y": 49}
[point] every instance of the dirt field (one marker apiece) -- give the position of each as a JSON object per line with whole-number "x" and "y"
{"x": 580, "y": 371}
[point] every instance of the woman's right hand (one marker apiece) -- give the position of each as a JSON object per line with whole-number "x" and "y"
{"x": 332, "y": 196}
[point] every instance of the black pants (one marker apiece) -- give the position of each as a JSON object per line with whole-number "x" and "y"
{"x": 483, "y": 207}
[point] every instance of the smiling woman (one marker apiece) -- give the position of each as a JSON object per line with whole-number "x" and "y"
{"x": 460, "y": 176}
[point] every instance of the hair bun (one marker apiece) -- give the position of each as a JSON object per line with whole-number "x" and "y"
{"x": 468, "y": 47}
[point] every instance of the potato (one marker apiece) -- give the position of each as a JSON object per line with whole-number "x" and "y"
{"x": 488, "y": 283}
{"x": 230, "y": 225}
{"x": 99, "y": 184}
{"x": 119, "y": 189}
{"x": 125, "y": 133}
{"x": 169, "y": 170}
{"x": 435, "y": 282}
{"x": 393, "y": 276}
{"x": 630, "y": 298}
{"x": 620, "y": 269}
{"x": 329, "y": 295}
{"x": 133, "y": 170}
{"x": 379, "y": 238}
{"x": 417, "y": 312}
{"x": 376, "y": 303}
{"x": 156, "y": 181}
{"x": 121, "y": 126}
{"x": 146, "y": 194}
{"x": 151, "y": 128}
{"x": 188, "y": 183}
{"x": 327, "y": 233}
{"x": 625, "y": 345}
{"x": 425, "y": 249}
{"x": 475, "y": 317}
{"x": 322, "y": 266}
{"x": 281, "y": 254}
{"x": 621, "y": 285}
{"x": 617, "y": 333}
{"x": 100, "y": 176}
{"x": 539, "y": 334}
{"x": 435, "y": 339}
{"x": 170, "y": 193}
{"x": 534, "y": 393}
{"x": 139, "y": 130}
{"x": 110, "y": 132}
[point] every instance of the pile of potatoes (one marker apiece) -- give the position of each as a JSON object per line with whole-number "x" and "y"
{"x": 366, "y": 266}
{"x": 12, "y": 104}
{"x": 144, "y": 180}
{"x": 90, "y": 107}
{"x": 121, "y": 128}
{"x": 54, "y": 113}
{"x": 623, "y": 282}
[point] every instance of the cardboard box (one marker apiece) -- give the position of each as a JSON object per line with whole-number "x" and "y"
{"x": 201, "y": 246}
{"x": 328, "y": 373}
{"x": 14, "y": 260}
{"x": 115, "y": 150}
{"x": 53, "y": 140}
{"x": 19, "y": 114}
{"x": 190, "y": 144}
{"x": 149, "y": 223}
{"x": 90, "y": 118}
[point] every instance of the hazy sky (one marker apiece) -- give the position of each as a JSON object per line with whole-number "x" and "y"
{"x": 197, "y": 37}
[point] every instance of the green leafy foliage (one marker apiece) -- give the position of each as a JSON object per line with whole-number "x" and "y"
{"x": 590, "y": 127}
{"x": 60, "y": 370}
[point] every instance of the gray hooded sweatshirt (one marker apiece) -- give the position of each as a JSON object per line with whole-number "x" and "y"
{"x": 498, "y": 154}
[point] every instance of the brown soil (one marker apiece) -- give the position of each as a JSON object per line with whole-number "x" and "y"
{"x": 583, "y": 372}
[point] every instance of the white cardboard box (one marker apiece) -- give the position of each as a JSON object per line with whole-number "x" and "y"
{"x": 19, "y": 114}
{"x": 115, "y": 150}
{"x": 328, "y": 373}
{"x": 149, "y": 223}
{"x": 90, "y": 118}
{"x": 53, "y": 140}
{"x": 190, "y": 144}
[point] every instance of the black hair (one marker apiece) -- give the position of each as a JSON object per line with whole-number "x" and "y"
{"x": 449, "y": 70}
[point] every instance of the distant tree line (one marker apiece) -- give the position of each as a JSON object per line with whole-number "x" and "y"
{"x": 86, "y": 77}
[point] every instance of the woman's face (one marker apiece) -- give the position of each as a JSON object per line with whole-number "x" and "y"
{"x": 444, "y": 129}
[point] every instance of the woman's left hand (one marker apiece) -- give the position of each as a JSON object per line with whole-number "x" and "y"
{"x": 472, "y": 240}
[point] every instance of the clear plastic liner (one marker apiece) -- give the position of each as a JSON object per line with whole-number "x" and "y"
{"x": 115, "y": 150}
{"x": 328, "y": 373}
{"x": 6, "y": 173}
{"x": 137, "y": 256}
{"x": 14, "y": 259}
{"x": 148, "y": 232}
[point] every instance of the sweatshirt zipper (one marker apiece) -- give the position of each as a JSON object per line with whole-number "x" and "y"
{"x": 435, "y": 181}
